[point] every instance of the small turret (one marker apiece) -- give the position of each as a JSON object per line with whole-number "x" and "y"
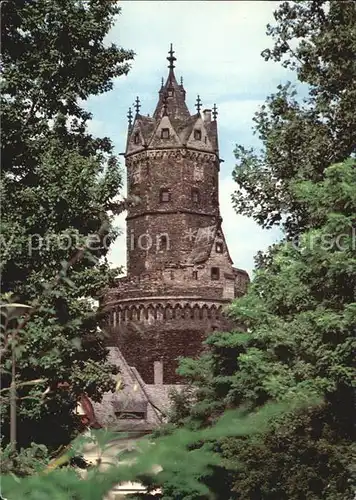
{"x": 173, "y": 93}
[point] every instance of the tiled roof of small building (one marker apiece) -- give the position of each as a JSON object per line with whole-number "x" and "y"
{"x": 147, "y": 126}
{"x": 132, "y": 398}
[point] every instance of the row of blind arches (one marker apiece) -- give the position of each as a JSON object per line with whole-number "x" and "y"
{"x": 161, "y": 312}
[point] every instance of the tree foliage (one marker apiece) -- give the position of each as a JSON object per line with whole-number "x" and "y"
{"x": 299, "y": 314}
{"x": 174, "y": 459}
{"x": 59, "y": 185}
{"x": 301, "y": 138}
{"x": 300, "y": 321}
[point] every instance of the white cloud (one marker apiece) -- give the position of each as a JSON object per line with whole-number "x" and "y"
{"x": 95, "y": 127}
{"x": 243, "y": 236}
{"x": 117, "y": 253}
{"x": 238, "y": 114}
{"x": 217, "y": 44}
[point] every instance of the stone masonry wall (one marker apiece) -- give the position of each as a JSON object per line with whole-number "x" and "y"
{"x": 179, "y": 171}
{"x": 150, "y": 331}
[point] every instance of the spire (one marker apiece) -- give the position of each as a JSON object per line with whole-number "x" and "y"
{"x": 129, "y": 117}
{"x": 171, "y": 58}
{"x": 137, "y": 105}
{"x": 172, "y": 95}
{"x": 198, "y": 103}
{"x": 215, "y": 112}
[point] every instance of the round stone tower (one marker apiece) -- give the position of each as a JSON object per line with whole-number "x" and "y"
{"x": 179, "y": 271}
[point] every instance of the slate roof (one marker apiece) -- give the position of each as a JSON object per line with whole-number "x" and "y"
{"x": 203, "y": 243}
{"x": 147, "y": 126}
{"x": 176, "y": 105}
{"x": 184, "y": 129}
{"x": 171, "y": 103}
{"x": 134, "y": 396}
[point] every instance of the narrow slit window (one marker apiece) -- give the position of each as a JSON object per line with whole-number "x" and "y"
{"x": 195, "y": 195}
{"x": 165, "y": 195}
{"x": 163, "y": 243}
{"x": 137, "y": 138}
{"x": 195, "y": 275}
{"x": 165, "y": 133}
{"x": 215, "y": 273}
{"x": 197, "y": 135}
{"x": 219, "y": 247}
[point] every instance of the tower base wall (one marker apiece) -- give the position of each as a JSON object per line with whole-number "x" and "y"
{"x": 151, "y": 331}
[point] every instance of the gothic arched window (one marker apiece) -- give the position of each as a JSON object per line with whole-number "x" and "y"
{"x": 137, "y": 138}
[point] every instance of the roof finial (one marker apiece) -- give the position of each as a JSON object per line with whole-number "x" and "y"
{"x": 181, "y": 81}
{"x": 137, "y": 105}
{"x": 215, "y": 112}
{"x": 198, "y": 103}
{"x": 171, "y": 58}
{"x": 129, "y": 117}
{"x": 162, "y": 82}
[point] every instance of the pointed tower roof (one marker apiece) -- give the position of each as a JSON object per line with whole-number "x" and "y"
{"x": 172, "y": 95}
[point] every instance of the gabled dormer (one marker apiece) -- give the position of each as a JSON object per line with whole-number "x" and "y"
{"x": 135, "y": 140}
{"x": 140, "y": 134}
{"x": 164, "y": 135}
{"x": 198, "y": 136}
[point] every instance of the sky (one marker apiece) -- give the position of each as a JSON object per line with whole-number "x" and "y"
{"x": 218, "y": 46}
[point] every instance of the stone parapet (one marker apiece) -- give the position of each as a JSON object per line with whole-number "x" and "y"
{"x": 172, "y": 282}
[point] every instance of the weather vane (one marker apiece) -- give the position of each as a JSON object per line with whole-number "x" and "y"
{"x": 137, "y": 105}
{"x": 171, "y": 58}
{"x": 198, "y": 103}
{"x": 129, "y": 117}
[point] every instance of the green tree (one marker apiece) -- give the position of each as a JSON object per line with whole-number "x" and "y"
{"x": 300, "y": 317}
{"x": 301, "y": 138}
{"x": 171, "y": 458}
{"x": 58, "y": 188}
